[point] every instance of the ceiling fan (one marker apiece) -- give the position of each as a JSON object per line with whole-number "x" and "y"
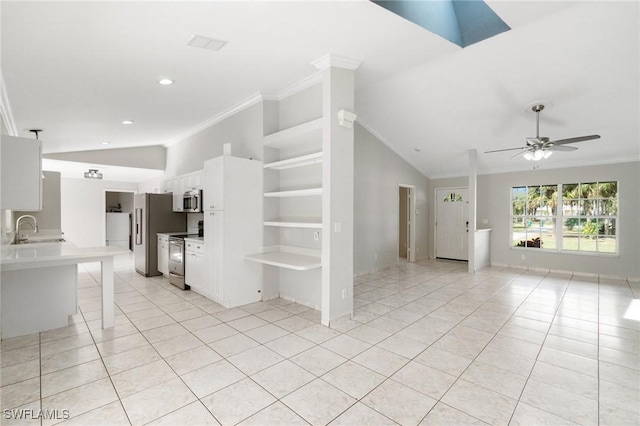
{"x": 541, "y": 147}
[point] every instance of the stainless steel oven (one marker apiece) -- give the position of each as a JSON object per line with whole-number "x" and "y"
{"x": 192, "y": 201}
{"x": 176, "y": 261}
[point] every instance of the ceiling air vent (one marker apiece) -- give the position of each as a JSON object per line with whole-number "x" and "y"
{"x": 206, "y": 43}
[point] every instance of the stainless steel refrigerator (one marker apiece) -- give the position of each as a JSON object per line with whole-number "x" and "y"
{"x": 153, "y": 214}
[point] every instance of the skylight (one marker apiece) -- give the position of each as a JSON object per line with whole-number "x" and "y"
{"x": 463, "y": 22}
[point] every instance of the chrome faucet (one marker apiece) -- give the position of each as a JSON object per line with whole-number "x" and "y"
{"x": 18, "y": 238}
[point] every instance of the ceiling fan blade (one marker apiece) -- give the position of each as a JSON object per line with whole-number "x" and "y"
{"x": 561, "y": 148}
{"x": 520, "y": 153}
{"x": 507, "y": 149}
{"x": 576, "y": 139}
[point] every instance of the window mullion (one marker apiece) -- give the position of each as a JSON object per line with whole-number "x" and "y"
{"x": 559, "y": 218}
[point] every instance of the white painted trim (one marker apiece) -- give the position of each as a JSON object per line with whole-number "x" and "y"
{"x": 576, "y": 274}
{"x": 5, "y": 110}
{"x": 305, "y": 83}
{"x": 337, "y": 61}
{"x": 250, "y": 101}
{"x": 435, "y": 216}
{"x": 412, "y": 219}
{"x": 389, "y": 145}
{"x": 520, "y": 168}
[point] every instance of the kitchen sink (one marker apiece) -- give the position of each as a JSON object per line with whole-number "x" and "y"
{"x": 41, "y": 241}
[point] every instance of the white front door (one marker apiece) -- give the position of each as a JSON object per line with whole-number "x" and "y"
{"x": 452, "y": 223}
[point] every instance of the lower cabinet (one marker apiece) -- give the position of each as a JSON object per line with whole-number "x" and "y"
{"x": 194, "y": 267}
{"x": 163, "y": 254}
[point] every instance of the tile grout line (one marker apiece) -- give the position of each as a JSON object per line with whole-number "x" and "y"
{"x": 539, "y": 351}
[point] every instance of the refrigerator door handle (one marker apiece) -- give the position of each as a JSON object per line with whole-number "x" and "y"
{"x": 138, "y": 226}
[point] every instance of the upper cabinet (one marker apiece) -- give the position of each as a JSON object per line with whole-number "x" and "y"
{"x": 21, "y": 174}
{"x": 178, "y": 185}
{"x": 214, "y": 188}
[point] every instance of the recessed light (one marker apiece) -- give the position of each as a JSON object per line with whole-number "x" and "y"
{"x": 165, "y": 82}
{"x": 105, "y": 143}
{"x": 127, "y": 122}
{"x": 417, "y": 149}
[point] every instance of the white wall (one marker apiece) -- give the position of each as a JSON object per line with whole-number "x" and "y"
{"x": 243, "y": 130}
{"x": 83, "y": 209}
{"x": 378, "y": 172}
{"x": 494, "y": 192}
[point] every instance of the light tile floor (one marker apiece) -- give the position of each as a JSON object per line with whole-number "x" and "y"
{"x": 428, "y": 344}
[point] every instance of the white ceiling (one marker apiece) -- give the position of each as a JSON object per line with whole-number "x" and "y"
{"x": 77, "y": 69}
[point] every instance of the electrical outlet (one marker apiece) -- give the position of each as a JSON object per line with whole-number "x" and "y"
{"x": 344, "y": 293}
{"x": 375, "y": 256}
{"x": 485, "y": 221}
{"x": 522, "y": 257}
{"x": 316, "y": 235}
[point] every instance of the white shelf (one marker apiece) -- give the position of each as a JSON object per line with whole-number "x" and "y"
{"x": 281, "y": 259}
{"x": 296, "y": 222}
{"x": 305, "y": 132}
{"x": 303, "y": 160}
{"x": 295, "y": 193}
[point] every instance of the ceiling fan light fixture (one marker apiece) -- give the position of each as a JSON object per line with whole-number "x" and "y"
{"x": 538, "y": 155}
{"x": 547, "y": 154}
{"x": 528, "y": 156}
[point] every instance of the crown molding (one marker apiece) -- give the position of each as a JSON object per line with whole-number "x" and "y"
{"x": 250, "y": 101}
{"x": 5, "y": 110}
{"x": 305, "y": 83}
{"x": 520, "y": 169}
{"x": 390, "y": 146}
{"x": 337, "y": 61}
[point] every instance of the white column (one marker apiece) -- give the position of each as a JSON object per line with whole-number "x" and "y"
{"x": 473, "y": 193}
{"x": 107, "y": 292}
{"x": 337, "y": 186}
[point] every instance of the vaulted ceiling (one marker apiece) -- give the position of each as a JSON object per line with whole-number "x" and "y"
{"x": 78, "y": 69}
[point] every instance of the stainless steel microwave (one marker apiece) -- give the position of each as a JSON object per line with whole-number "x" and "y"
{"x": 192, "y": 201}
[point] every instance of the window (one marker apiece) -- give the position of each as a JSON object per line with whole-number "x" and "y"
{"x": 533, "y": 221}
{"x": 586, "y": 222}
{"x": 452, "y": 196}
{"x": 590, "y": 211}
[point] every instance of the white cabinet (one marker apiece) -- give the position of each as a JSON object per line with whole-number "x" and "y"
{"x": 193, "y": 181}
{"x": 163, "y": 254}
{"x": 168, "y": 186}
{"x": 178, "y": 185}
{"x": 21, "y": 174}
{"x": 178, "y": 192}
{"x": 194, "y": 267}
{"x": 213, "y": 194}
{"x": 233, "y": 229}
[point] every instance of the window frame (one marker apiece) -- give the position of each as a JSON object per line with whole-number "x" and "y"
{"x": 560, "y": 218}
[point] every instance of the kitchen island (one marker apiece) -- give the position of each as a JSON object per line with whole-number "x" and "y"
{"x": 39, "y": 285}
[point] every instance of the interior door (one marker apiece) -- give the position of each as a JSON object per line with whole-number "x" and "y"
{"x": 452, "y": 223}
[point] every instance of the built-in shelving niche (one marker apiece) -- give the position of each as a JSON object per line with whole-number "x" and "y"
{"x": 293, "y": 210}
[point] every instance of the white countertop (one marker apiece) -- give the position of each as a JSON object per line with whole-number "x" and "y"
{"x": 27, "y": 256}
{"x": 195, "y": 239}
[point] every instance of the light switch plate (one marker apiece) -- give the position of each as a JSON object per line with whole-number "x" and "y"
{"x": 337, "y": 227}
